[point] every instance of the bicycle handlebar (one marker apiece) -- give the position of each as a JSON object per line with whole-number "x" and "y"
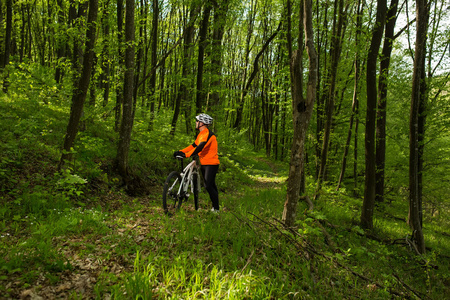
{"x": 182, "y": 157}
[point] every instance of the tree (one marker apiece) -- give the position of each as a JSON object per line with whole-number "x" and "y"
{"x": 414, "y": 219}
{"x": 188, "y": 36}
{"x": 302, "y": 110}
{"x": 336, "y": 46}
{"x": 200, "y": 95}
{"x": 219, "y": 20}
{"x": 355, "y": 102}
{"x": 153, "y": 58}
{"x": 128, "y": 89}
{"x": 382, "y": 95}
{"x": 5, "y": 62}
{"x": 119, "y": 66}
{"x": 80, "y": 92}
{"x": 371, "y": 77}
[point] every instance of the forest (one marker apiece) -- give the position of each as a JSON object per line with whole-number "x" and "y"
{"x": 332, "y": 119}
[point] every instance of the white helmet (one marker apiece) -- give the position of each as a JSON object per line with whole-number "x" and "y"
{"x": 204, "y": 118}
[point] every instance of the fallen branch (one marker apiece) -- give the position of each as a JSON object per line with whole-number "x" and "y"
{"x": 418, "y": 294}
{"x": 248, "y": 260}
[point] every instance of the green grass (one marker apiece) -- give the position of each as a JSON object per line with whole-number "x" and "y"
{"x": 78, "y": 233}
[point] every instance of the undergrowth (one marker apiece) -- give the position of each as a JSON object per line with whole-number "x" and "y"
{"x": 82, "y": 233}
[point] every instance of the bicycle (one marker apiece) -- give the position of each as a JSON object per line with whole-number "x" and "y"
{"x": 176, "y": 186}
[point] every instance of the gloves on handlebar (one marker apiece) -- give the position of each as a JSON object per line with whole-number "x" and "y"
{"x": 179, "y": 153}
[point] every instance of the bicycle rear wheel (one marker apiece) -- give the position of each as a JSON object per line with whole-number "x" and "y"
{"x": 196, "y": 189}
{"x": 171, "y": 200}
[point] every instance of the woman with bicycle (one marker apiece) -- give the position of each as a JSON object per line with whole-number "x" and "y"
{"x": 205, "y": 146}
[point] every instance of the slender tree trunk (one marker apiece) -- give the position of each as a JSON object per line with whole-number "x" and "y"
{"x": 240, "y": 106}
{"x": 240, "y": 101}
{"x": 140, "y": 55}
{"x": 414, "y": 217}
{"x": 22, "y": 31}
{"x": 322, "y": 79}
{"x": 200, "y": 95}
{"x": 355, "y": 91}
{"x": 106, "y": 65}
{"x": 220, "y": 13}
{"x": 5, "y": 62}
{"x": 77, "y": 54}
{"x": 153, "y": 59}
{"x": 79, "y": 95}
{"x": 336, "y": 44}
{"x": 60, "y": 42}
{"x": 371, "y": 78}
{"x": 302, "y": 112}
{"x": 128, "y": 88}
{"x": 188, "y": 35}
{"x": 382, "y": 95}
{"x": 120, "y": 66}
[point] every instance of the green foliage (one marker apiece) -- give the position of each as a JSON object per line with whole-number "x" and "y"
{"x": 78, "y": 221}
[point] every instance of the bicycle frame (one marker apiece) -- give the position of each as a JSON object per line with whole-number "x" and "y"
{"x": 187, "y": 179}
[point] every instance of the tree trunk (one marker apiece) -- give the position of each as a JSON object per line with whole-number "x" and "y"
{"x": 128, "y": 88}
{"x": 79, "y": 95}
{"x": 414, "y": 203}
{"x": 220, "y": 13}
{"x": 200, "y": 95}
{"x": 302, "y": 112}
{"x": 104, "y": 77}
{"x": 321, "y": 93}
{"x": 355, "y": 91}
{"x": 60, "y": 43}
{"x": 371, "y": 78}
{"x": 188, "y": 35}
{"x": 382, "y": 95}
{"x": 336, "y": 43}
{"x": 77, "y": 54}
{"x": 140, "y": 54}
{"x": 240, "y": 106}
{"x": 240, "y": 100}
{"x": 8, "y": 34}
{"x": 120, "y": 63}
{"x": 154, "y": 57}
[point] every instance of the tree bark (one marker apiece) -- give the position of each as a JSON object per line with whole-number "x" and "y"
{"x": 104, "y": 77}
{"x": 382, "y": 95}
{"x": 302, "y": 112}
{"x": 120, "y": 63}
{"x": 420, "y": 48}
{"x": 200, "y": 95}
{"x": 240, "y": 101}
{"x": 60, "y": 42}
{"x": 336, "y": 44}
{"x": 219, "y": 19}
{"x": 79, "y": 95}
{"x": 355, "y": 92}
{"x": 188, "y": 36}
{"x": 371, "y": 78}
{"x": 8, "y": 34}
{"x": 128, "y": 89}
{"x": 153, "y": 59}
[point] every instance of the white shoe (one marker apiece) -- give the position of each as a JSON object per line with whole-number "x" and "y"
{"x": 214, "y": 210}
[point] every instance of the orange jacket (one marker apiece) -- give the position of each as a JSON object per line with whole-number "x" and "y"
{"x": 205, "y": 146}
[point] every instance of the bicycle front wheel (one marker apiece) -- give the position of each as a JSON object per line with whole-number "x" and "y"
{"x": 171, "y": 199}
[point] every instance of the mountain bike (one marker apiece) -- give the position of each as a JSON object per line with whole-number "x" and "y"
{"x": 179, "y": 185}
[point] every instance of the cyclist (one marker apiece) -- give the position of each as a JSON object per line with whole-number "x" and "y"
{"x": 205, "y": 146}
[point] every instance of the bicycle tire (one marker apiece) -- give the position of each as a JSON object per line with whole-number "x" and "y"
{"x": 171, "y": 200}
{"x": 196, "y": 189}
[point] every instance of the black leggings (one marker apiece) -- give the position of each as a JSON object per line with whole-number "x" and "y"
{"x": 209, "y": 174}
